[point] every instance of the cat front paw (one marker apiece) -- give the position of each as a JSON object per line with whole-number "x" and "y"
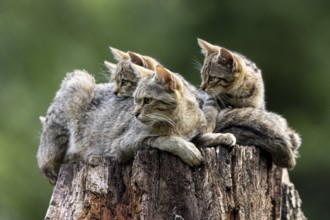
{"x": 191, "y": 155}
{"x": 215, "y": 139}
{"x": 228, "y": 139}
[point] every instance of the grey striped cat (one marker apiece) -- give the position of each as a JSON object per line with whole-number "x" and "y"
{"x": 235, "y": 89}
{"x": 122, "y": 73}
{"x": 87, "y": 119}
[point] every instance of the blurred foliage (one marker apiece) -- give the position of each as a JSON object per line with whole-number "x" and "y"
{"x": 42, "y": 40}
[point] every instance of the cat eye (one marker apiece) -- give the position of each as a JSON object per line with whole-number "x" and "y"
{"x": 124, "y": 82}
{"x": 213, "y": 79}
{"x": 147, "y": 101}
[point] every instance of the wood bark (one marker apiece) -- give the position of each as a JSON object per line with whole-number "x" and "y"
{"x": 237, "y": 183}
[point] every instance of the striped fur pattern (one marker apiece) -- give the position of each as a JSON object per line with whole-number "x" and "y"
{"x": 169, "y": 104}
{"x": 123, "y": 74}
{"x": 235, "y": 103}
{"x": 87, "y": 120}
{"x": 125, "y": 79}
{"x": 231, "y": 78}
{"x": 264, "y": 129}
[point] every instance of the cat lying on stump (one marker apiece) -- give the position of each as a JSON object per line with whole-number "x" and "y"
{"x": 145, "y": 105}
{"x": 235, "y": 89}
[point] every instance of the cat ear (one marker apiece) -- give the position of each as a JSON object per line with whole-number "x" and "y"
{"x": 206, "y": 47}
{"x": 136, "y": 59}
{"x": 168, "y": 78}
{"x": 151, "y": 62}
{"x": 228, "y": 59}
{"x": 111, "y": 67}
{"x": 145, "y": 61}
{"x": 118, "y": 54}
{"x": 140, "y": 71}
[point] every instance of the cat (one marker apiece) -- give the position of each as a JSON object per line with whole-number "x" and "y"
{"x": 231, "y": 77}
{"x": 122, "y": 73}
{"x": 126, "y": 79}
{"x": 166, "y": 97}
{"x": 86, "y": 120}
{"x": 234, "y": 83}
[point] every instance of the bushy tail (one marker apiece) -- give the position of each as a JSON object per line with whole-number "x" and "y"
{"x": 67, "y": 108}
{"x": 76, "y": 93}
{"x": 267, "y": 130}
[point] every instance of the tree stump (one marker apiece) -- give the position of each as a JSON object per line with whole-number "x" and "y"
{"x": 237, "y": 183}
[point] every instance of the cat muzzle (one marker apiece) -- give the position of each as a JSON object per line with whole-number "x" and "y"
{"x": 136, "y": 113}
{"x": 203, "y": 86}
{"x": 116, "y": 91}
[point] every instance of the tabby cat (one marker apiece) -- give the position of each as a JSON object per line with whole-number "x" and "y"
{"x": 231, "y": 77}
{"x": 123, "y": 75}
{"x": 230, "y": 80}
{"x": 235, "y": 84}
{"x": 87, "y": 119}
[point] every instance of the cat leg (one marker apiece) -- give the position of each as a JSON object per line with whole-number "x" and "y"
{"x": 211, "y": 113}
{"x": 210, "y": 116}
{"x": 177, "y": 146}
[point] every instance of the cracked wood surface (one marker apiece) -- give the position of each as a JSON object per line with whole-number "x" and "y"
{"x": 240, "y": 183}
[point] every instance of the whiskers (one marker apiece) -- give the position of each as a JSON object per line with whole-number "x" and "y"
{"x": 163, "y": 120}
{"x": 104, "y": 74}
{"x": 220, "y": 99}
{"x": 196, "y": 63}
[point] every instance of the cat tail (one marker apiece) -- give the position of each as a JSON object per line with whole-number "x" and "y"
{"x": 76, "y": 93}
{"x": 257, "y": 127}
{"x": 65, "y": 111}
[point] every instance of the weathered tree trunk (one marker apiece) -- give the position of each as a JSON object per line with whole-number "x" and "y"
{"x": 240, "y": 183}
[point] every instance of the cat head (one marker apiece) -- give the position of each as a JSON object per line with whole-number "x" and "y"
{"x": 222, "y": 70}
{"x": 157, "y": 98}
{"x": 123, "y": 74}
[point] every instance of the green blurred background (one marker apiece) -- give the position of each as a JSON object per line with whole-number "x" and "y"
{"x": 42, "y": 40}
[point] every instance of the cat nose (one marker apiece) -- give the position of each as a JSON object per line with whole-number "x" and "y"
{"x": 136, "y": 112}
{"x": 203, "y": 86}
{"x": 116, "y": 91}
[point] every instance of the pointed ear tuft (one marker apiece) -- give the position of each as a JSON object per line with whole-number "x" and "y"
{"x": 136, "y": 59}
{"x": 42, "y": 119}
{"x": 118, "y": 54}
{"x": 168, "y": 78}
{"x": 206, "y": 47}
{"x": 140, "y": 71}
{"x": 111, "y": 67}
{"x": 228, "y": 59}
